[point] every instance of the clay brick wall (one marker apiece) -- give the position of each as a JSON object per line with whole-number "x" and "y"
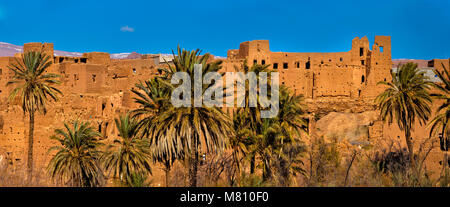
{"x": 351, "y": 74}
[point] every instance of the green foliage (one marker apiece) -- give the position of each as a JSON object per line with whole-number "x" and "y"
{"x": 76, "y": 161}
{"x": 268, "y": 138}
{"x": 207, "y": 126}
{"x": 130, "y": 154}
{"x": 405, "y": 100}
{"x": 136, "y": 180}
{"x": 406, "y": 97}
{"x": 176, "y": 131}
{"x": 33, "y": 84}
{"x": 440, "y": 124}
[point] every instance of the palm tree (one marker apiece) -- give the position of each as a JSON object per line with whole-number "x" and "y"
{"x": 440, "y": 124}
{"x": 245, "y": 136}
{"x": 130, "y": 154}
{"x": 76, "y": 161}
{"x": 199, "y": 129}
{"x": 154, "y": 98}
{"x": 291, "y": 116}
{"x": 275, "y": 144}
{"x": 136, "y": 180}
{"x": 250, "y": 127}
{"x": 405, "y": 100}
{"x": 34, "y": 86}
{"x": 247, "y": 120}
{"x": 293, "y": 125}
{"x": 267, "y": 144}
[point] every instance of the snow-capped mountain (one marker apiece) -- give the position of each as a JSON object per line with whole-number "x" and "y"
{"x": 8, "y": 50}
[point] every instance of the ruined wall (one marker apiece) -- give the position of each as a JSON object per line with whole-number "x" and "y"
{"x": 351, "y": 74}
{"x": 46, "y": 48}
{"x": 94, "y": 88}
{"x": 439, "y": 64}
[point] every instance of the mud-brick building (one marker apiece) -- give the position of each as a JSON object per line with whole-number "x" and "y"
{"x": 351, "y": 74}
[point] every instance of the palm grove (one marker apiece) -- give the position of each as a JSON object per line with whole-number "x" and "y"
{"x": 158, "y": 132}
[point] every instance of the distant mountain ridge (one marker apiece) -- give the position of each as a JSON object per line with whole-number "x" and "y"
{"x": 420, "y": 63}
{"x": 9, "y": 50}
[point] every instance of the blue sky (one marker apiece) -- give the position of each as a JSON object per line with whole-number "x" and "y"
{"x": 420, "y": 29}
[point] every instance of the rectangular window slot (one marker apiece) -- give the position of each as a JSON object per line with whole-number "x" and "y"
{"x": 275, "y": 66}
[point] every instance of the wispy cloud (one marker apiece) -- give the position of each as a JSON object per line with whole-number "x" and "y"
{"x": 127, "y": 29}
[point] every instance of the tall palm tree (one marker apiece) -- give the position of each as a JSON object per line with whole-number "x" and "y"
{"x": 153, "y": 96}
{"x": 267, "y": 143}
{"x": 291, "y": 116}
{"x": 247, "y": 120}
{"x": 34, "y": 86}
{"x": 200, "y": 129}
{"x": 130, "y": 154}
{"x": 76, "y": 161}
{"x": 405, "y": 100}
{"x": 244, "y": 136}
{"x": 441, "y": 122}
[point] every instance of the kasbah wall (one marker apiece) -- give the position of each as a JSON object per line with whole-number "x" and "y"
{"x": 97, "y": 88}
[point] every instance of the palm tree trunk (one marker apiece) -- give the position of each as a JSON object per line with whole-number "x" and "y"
{"x": 252, "y": 165}
{"x": 193, "y": 163}
{"x": 186, "y": 164}
{"x": 444, "y": 164}
{"x": 266, "y": 171}
{"x": 410, "y": 149}
{"x": 30, "y": 147}
{"x": 167, "y": 171}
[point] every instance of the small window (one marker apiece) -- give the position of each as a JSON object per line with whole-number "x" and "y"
{"x": 362, "y": 79}
{"x": 321, "y": 62}
{"x": 255, "y": 62}
{"x": 308, "y": 65}
{"x": 297, "y": 64}
{"x": 285, "y": 65}
{"x": 93, "y": 78}
{"x": 362, "y": 62}
{"x": 263, "y": 62}
{"x": 361, "y": 51}
{"x": 275, "y": 66}
{"x": 83, "y": 60}
{"x": 134, "y": 70}
{"x": 381, "y": 49}
{"x": 340, "y": 59}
